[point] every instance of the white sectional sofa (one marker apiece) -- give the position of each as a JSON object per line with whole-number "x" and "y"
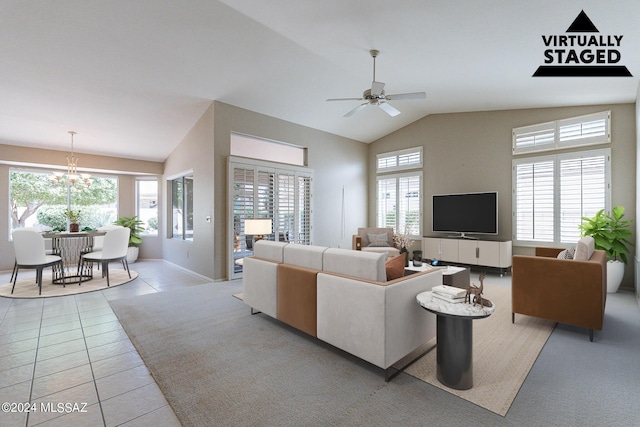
{"x": 342, "y": 297}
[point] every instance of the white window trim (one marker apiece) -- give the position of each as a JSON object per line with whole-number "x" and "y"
{"x": 543, "y": 130}
{"x": 557, "y": 159}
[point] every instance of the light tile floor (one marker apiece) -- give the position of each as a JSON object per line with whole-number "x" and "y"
{"x": 73, "y": 351}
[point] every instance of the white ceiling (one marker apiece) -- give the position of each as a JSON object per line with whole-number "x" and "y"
{"x": 133, "y": 77}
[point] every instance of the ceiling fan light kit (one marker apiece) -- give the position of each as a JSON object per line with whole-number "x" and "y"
{"x": 377, "y": 97}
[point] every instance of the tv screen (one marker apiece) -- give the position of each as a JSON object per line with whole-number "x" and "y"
{"x": 466, "y": 213}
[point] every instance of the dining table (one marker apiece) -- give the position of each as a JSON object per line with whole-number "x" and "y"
{"x": 70, "y": 246}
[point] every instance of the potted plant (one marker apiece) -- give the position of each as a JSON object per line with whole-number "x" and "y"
{"x": 403, "y": 241}
{"x": 74, "y": 217}
{"x": 135, "y": 225}
{"x": 610, "y": 233}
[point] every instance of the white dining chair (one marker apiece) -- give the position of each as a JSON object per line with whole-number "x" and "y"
{"x": 98, "y": 241}
{"x": 114, "y": 248}
{"x": 30, "y": 251}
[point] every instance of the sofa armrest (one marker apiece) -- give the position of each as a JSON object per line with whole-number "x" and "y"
{"x": 566, "y": 291}
{"x": 260, "y": 285}
{"x": 380, "y": 322}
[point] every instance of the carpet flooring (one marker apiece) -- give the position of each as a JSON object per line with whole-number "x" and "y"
{"x": 28, "y": 288}
{"x": 503, "y": 354}
{"x": 219, "y": 365}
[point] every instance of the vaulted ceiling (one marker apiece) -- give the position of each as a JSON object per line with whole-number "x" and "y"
{"x": 133, "y": 77}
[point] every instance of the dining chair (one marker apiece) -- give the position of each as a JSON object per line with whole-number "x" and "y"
{"x": 114, "y": 248}
{"x": 30, "y": 251}
{"x": 98, "y": 241}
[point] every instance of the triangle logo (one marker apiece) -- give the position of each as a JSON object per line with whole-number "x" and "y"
{"x": 582, "y": 24}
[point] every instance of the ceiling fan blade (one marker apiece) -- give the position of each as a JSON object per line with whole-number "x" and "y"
{"x": 376, "y": 88}
{"x": 345, "y": 99}
{"x": 355, "y": 110}
{"x": 413, "y": 95}
{"x": 389, "y": 109}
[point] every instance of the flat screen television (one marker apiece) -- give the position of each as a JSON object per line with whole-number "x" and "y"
{"x": 475, "y": 213}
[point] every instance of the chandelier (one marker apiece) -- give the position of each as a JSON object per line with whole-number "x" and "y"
{"x": 72, "y": 176}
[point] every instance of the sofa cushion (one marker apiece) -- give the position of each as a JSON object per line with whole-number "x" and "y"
{"x": 304, "y": 256}
{"x": 568, "y": 253}
{"x": 378, "y": 240}
{"x": 395, "y": 266}
{"x": 358, "y": 264}
{"x": 266, "y": 249}
{"x": 584, "y": 249}
{"x": 297, "y": 305}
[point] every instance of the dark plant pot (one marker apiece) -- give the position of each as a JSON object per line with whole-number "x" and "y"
{"x": 74, "y": 228}
{"x": 406, "y": 258}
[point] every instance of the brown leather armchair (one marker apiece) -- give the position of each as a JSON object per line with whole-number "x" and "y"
{"x": 562, "y": 290}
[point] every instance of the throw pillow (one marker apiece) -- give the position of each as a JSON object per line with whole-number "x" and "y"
{"x": 584, "y": 249}
{"x": 567, "y": 253}
{"x": 378, "y": 240}
{"x": 395, "y": 266}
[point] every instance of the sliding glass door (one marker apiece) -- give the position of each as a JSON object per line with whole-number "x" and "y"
{"x": 265, "y": 191}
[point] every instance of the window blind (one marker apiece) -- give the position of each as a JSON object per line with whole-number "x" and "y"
{"x": 575, "y": 131}
{"x": 399, "y": 160}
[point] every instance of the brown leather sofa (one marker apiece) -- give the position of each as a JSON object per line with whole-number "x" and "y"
{"x": 562, "y": 290}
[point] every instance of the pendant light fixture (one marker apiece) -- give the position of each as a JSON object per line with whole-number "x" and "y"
{"x": 72, "y": 176}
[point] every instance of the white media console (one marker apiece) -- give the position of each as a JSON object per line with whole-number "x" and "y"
{"x": 472, "y": 252}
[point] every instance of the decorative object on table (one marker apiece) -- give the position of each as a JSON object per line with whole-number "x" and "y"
{"x": 449, "y": 294}
{"x": 135, "y": 225}
{"x": 417, "y": 258}
{"x": 72, "y": 176}
{"x": 258, "y": 227}
{"x": 611, "y": 234}
{"x": 402, "y": 242}
{"x": 74, "y": 217}
{"x": 477, "y": 293}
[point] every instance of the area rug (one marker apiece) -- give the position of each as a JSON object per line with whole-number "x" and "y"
{"x": 503, "y": 354}
{"x": 28, "y": 288}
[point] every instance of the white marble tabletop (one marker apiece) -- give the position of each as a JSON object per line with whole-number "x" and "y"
{"x": 436, "y": 305}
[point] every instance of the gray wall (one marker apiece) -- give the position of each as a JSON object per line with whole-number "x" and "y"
{"x": 466, "y": 152}
{"x": 337, "y": 162}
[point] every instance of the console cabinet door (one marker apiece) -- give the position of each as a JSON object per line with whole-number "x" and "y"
{"x": 489, "y": 253}
{"x": 467, "y": 253}
{"x": 449, "y": 250}
{"x": 431, "y": 248}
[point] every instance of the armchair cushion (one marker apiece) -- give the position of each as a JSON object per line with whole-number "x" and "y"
{"x": 567, "y": 253}
{"x": 378, "y": 240}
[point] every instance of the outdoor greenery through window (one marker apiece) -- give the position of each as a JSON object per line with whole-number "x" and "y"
{"x": 36, "y": 202}
{"x": 182, "y": 207}
{"x": 147, "y": 204}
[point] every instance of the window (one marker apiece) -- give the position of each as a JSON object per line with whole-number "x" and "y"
{"x": 272, "y": 151}
{"x": 575, "y": 131}
{"x": 551, "y": 194}
{"x": 36, "y": 202}
{"x": 182, "y": 207}
{"x": 399, "y": 160}
{"x": 399, "y": 195}
{"x": 147, "y": 204}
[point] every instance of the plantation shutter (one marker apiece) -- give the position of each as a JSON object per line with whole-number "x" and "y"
{"x": 534, "y": 138}
{"x": 583, "y": 186}
{"x": 584, "y": 130}
{"x": 387, "y": 196}
{"x": 534, "y": 200}
{"x": 303, "y": 225}
{"x": 409, "y": 205}
{"x": 286, "y": 206}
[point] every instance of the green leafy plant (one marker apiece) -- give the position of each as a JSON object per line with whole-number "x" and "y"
{"x": 135, "y": 225}
{"x": 610, "y": 232}
{"x": 74, "y": 216}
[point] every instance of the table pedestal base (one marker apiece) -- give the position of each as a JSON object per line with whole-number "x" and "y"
{"x": 455, "y": 351}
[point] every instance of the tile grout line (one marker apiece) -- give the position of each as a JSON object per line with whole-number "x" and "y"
{"x": 93, "y": 375}
{"x": 35, "y": 361}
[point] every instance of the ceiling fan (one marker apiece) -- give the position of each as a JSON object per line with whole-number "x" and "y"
{"x": 376, "y": 96}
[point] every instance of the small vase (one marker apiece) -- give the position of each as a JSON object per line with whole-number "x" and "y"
{"x": 74, "y": 228}
{"x": 406, "y": 258}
